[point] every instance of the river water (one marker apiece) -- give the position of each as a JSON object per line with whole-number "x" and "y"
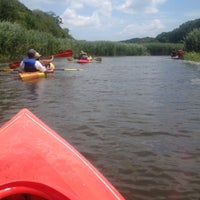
{"x": 136, "y": 119}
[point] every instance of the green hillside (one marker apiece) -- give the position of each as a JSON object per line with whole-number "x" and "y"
{"x": 140, "y": 40}
{"x": 15, "y": 12}
{"x": 175, "y": 36}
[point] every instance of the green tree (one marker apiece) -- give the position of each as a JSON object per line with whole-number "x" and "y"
{"x": 177, "y": 35}
{"x": 192, "y": 41}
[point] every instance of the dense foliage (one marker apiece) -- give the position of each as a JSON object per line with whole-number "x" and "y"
{"x": 15, "y": 12}
{"x": 108, "y": 48}
{"x": 178, "y": 34}
{"x": 22, "y": 29}
{"x": 141, "y": 40}
{"x": 158, "y": 48}
{"x": 192, "y": 41}
{"x": 193, "y": 56}
{"x": 16, "y": 40}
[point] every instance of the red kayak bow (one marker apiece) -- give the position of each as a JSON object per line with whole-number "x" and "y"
{"x": 38, "y": 164}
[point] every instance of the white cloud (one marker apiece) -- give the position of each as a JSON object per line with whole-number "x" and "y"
{"x": 138, "y": 6}
{"x": 75, "y": 16}
{"x": 72, "y": 19}
{"x": 143, "y": 30}
{"x": 106, "y": 17}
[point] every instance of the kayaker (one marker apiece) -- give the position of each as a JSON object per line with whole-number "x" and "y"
{"x": 180, "y": 53}
{"x": 30, "y": 64}
{"x": 83, "y": 55}
{"x": 173, "y": 53}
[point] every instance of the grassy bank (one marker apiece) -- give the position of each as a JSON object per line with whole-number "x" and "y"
{"x": 193, "y": 56}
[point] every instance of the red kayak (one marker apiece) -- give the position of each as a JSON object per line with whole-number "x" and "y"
{"x": 38, "y": 164}
{"x": 82, "y": 61}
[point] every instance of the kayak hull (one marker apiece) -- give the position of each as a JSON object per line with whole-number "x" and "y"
{"x": 82, "y": 61}
{"x": 36, "y": 161}
{"x": 27, "y": 76}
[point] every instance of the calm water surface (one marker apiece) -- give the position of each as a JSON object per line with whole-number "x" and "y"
{"x": 137, "y": 119}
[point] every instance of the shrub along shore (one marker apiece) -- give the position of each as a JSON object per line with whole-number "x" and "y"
{"x": 16, "y": 40}
{"x": 193, "y": 56}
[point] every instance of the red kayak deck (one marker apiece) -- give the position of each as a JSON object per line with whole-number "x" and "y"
{"x": 36, "y": 163}
{"x": 82, "y": 61}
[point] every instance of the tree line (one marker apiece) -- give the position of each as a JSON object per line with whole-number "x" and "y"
{"x": 15, "y": 12}
{"x": 21, "y": 30}
{"x": 15, "y": 40}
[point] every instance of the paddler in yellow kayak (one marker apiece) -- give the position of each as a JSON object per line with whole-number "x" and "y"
{"x": 30, "y": 64}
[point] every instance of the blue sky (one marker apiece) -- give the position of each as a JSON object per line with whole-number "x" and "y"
{"x": 116, "y": 20}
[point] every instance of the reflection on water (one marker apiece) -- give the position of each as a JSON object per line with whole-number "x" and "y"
{"x": 135, "y": 118}
{"x": 35, "y": 88}
{"x": 32, "y": 87}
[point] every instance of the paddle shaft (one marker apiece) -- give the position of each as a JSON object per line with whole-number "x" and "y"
{"x": 68, "y": 52}
{"x": 16, "y": 70}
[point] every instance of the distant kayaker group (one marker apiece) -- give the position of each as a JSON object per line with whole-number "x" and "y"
{"x": 177, "y": 54}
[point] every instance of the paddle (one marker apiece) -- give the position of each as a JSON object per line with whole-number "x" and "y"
{"x": 99, "y": 59}
{"x": 14, "y": 64}
{"x": 64, "y": 53}
{"x": 65, "y": 69}
{"x": 68, "y": 69}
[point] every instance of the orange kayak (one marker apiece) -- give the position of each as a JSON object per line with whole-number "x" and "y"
{"x": 38, "y": 164}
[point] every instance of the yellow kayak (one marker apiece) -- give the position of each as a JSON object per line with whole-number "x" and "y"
{"x": 26, "y": 76}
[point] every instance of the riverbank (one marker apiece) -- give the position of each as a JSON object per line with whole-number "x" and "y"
{"x": 192, "y": 56}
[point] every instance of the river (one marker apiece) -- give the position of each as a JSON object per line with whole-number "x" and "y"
{"x": 136, "y": 119}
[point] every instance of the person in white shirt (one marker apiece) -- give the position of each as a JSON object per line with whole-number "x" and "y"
{"x": 30, "y": 64}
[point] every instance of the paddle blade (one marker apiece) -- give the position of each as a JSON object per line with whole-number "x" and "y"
{"x": 70, "y": 58}
{"x": 98, "y": 59}
{"x": 6, "y": 70}
{"x": 72, "y": 69}
{"x": 14, "y": 64}
{"x": 64, "y": 53}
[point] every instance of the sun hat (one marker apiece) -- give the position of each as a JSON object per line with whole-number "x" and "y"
{"x": 83, "y": 52}
{"x": 37, "y": 55}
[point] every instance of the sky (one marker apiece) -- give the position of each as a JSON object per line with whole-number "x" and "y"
{"x": 117, "y": 20}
